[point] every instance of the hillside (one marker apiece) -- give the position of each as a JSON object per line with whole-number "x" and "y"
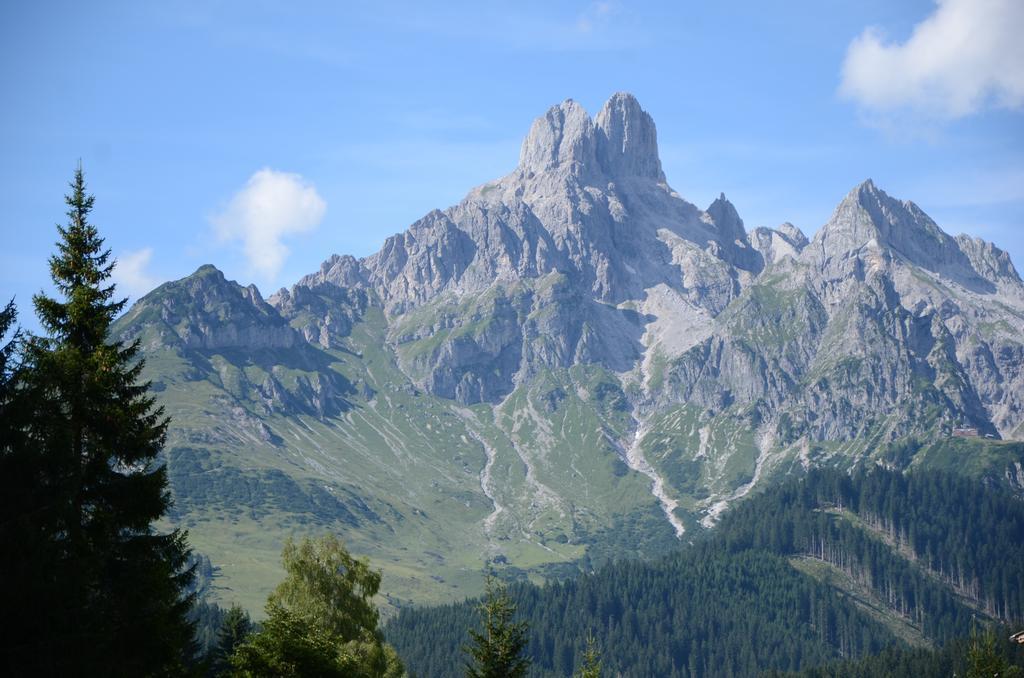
{"x": 932, "y": 551}
{"x": 574, "y": 364}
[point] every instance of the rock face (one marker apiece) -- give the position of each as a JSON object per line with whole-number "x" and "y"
{"x": 587, "y": 208}
{"x": 556, "y": 264}
{"x": 579, "y": 306}
{"x": 206, "y": 315}
{"x": 206, "y": 311}
{"x": 775, "y": 244}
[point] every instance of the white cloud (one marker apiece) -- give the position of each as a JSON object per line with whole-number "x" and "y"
{"x": 130, "y": 272}
{"x": 271, "y": 206}
{"x": 966, "y": 56}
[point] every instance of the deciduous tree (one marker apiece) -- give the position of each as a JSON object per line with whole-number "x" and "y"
{"x": 321, "y": 619}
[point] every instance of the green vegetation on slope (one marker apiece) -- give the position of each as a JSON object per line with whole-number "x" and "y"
{"x": 930, "y": 551}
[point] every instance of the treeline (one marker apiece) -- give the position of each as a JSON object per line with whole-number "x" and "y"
{"x": 733, "y": 605}
{"x": 703, "y": 612}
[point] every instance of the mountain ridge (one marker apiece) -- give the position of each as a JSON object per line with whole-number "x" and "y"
{"x": 573, "y": 349}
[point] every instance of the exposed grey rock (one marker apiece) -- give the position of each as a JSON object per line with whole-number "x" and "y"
{"x": 206, "y": 311}
{"x": 776, "y": 244}
{"x": 987, "y": 260}
{"x": 732, "y": 236}
{"x": 587, "y": 230}
{"x": 588, "y": 204}
{"x": 869, "y": 230}
{"x": 562, "y": 139}
{"x": 627, "y": 141}
{"x": 322, "y": 311}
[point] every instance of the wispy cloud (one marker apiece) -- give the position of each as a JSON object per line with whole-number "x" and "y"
{"x": 966, "y": 56}
{"x": 131, "y": 272}
{"x": 271, "y": 206}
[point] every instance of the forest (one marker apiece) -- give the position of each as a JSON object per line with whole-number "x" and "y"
{"x": 940, "y": 551}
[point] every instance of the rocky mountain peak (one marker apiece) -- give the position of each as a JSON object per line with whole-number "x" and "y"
{"x": 775, "y": 244}
{"x": 727, "y": 220}
{"x": 562, "y": 138}
{"x": 987, "y": 259}
{"x": 793, "y": 235}
{"x": 620, "y": 142}
{"x": 868, "y": 222}
{"x": 872, "y": 232}
{"x": 627, "y": 142}
{"x": 206, "y": 310}
{"x": 868, "y": 214}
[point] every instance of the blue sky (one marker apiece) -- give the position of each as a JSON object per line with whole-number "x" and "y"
{"x": 365, "y": 116}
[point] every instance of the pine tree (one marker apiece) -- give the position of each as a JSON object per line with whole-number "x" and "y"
{"x": 985, "y": 661}
{"x": 8, "y": 376}
{"x": 235, "y": 628}
{"x": 591, "y": 666}
{"x": 108, "y": 589}
{"x": 497, "y": 652}
{"x": 22, "y": 506}
{"x": 8, "y": 316}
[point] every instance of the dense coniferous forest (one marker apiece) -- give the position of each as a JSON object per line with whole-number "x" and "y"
{"x": 909, "y": 537}
{"x": 939, "y": 550}
{"x": 953, "y": 659}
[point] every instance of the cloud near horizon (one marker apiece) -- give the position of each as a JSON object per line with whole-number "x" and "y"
{"x": 965, "y": 57}
{"x": 130, "y": 273}
{"x": 271, "y": 206}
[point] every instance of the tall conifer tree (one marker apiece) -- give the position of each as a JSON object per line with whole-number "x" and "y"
{"x": 107, "y": 591}
{"x": 497, "y": 650}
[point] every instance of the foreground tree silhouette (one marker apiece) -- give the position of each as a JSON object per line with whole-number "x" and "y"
{"x": 321, "y": 620}
{"x": 98, "y": 591}
{"x": 497, "y": 651}
{"x": 10, "y": 340}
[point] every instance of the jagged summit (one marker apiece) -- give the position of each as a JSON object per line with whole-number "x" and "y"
{"x": 205, "y": 310}
{"x": 627, "y": 140}
{"x": 621, "y": 141}
{"x": 871, "y": 227}
{"x": 793, "y": 235}
{"x": 870, "y": 215}
{"x": 561, "y": 138}
{"x": 727, "y": 219}
{"x": 776, "y": 244}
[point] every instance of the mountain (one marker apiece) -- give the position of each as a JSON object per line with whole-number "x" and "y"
{"x": 575, "y": 364}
